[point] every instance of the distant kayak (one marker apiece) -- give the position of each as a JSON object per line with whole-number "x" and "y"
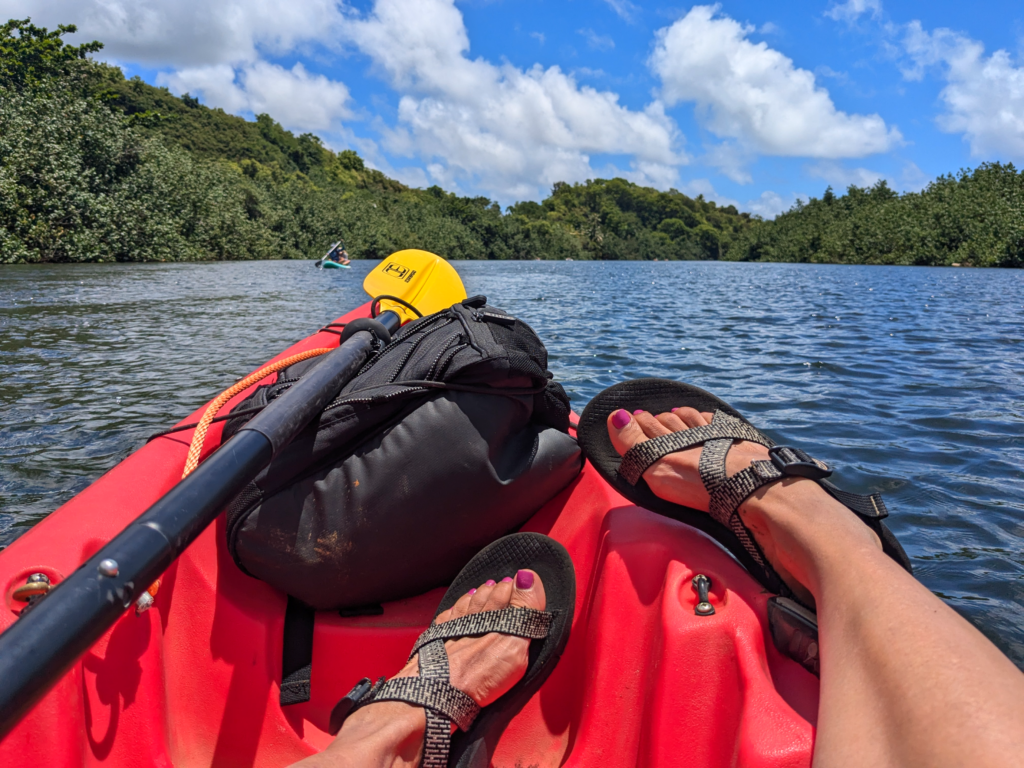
{"x": 336, "y": 257}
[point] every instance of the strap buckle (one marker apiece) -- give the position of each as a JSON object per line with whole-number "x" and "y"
{"x": 796, "y": 463}
{"x": 348, "y": 703}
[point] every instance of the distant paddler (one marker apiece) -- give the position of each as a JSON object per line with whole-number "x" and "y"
{"x": 337, "y": 257}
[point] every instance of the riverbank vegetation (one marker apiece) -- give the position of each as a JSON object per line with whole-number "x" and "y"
{"x": 96, "y": 167}
{"x": 975, "y": 218}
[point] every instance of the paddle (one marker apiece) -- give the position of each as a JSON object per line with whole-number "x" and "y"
{"x": 45, "y": 642}
{"x": 320, "y": 264}
{"x": 416, "y": 277}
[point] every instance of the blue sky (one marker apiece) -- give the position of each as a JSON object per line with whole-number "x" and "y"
{"x": 749, "y": 103}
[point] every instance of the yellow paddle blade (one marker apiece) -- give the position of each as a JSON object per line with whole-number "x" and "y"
{"x": 423, "y": 279}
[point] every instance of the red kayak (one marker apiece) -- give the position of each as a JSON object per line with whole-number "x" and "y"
{"x": 194, "y": 680}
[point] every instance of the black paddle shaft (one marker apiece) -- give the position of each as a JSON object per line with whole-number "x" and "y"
{"x": 44, "y": 643}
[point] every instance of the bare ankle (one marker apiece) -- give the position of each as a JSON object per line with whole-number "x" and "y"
{"x": 387, "y": 734}
{"x": 797, "y": 524}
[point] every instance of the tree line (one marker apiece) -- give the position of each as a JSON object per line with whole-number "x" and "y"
{"x": 97, "y": 167}
{"x": 975, "y": 218}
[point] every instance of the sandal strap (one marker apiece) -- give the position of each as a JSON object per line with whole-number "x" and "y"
{"x": 728, "y": 495}
{"x": 432, "y": 690}
{"x": 520, "y": 622}
{"x": 432, "y": 694}
{"x": 712, "y": 463}
{"x": 869, "y": 506}
{"x": 641, "y": 456}
{"x": 433, "y": 663}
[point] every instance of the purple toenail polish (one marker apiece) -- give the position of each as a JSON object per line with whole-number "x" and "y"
{"x": 507, "y": 580}
{"x": 638, "y": 411}
{"x": 472, "y": 591}
{"x": 620, "y": 419}
{"x": 489, "y": 583}
{"x": 524, "y": 579}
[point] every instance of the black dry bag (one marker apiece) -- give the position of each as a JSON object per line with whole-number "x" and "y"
{"x": 451, "y": 436}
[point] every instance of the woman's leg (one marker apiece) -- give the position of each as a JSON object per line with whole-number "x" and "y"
{"x": 389, "y": 734}
{"x": 904, "y": 679}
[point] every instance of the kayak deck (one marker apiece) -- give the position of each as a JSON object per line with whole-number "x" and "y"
{"x": 194, "y": 680}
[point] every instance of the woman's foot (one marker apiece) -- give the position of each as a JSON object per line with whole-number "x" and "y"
{"x": 390, "y": 733}
{"x": 774, "y": 514}
{"x": 675, "y": 477}
{"x": 487, "y": 667}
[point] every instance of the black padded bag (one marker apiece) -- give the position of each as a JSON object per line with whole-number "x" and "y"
{"x": 451, "y": 436}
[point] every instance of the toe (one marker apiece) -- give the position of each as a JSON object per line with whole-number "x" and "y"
{"x": 650, "y": 425}
{"x": 500, "y": 595}
{"x": 624, "y": 431}
{"x": 689, "y": 416}
{"x": 461, "y": 607}
{"x": 671, "y": 422}
{"x": 529, "y": 591}
{"x": 481, "y": 596}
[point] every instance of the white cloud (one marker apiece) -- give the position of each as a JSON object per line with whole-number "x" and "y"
{"x": 656, "y": 175}
{"x": 839, "y": 177}
{"x": 704, "y": 187}
{"x": 771, "y": 204}
{"x": 625, "y": 9}
{"x": 826, "y": 71}
{"x": 731, "y": 160}
{"x": 909, "y": 179}
{"x": 913, "y": 179}
{"x": 189, "y": 33}
{"x": 984, "y": 96}
{"x": 538, "y": 36}
{"x": 754, "y": 94}
{"x": 299, "y": 100}
{"x": 596, "y": 41}
{"x": 213, "y": 48}
{"x": 509, "y": 131}
{"x": 852, "y": 10}
{"x": 410, "y": 175}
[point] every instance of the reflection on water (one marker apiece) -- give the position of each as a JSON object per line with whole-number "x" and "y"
{"x": 910, "y": 380}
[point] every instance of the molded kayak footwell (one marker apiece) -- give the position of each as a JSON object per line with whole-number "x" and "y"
{"x": 194, "y": 680}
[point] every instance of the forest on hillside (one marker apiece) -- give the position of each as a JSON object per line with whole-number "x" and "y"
{"x": 972, "y": 219}
{"x": 97, "y": 167}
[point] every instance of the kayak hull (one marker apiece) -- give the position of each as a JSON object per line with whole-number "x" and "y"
{"x": 335, "y": 265}
{"x": 194, "y": 680}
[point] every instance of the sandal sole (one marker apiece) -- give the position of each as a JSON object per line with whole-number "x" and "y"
{"x": 502, "y": 558}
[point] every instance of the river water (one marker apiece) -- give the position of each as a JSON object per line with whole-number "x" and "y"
{"x": 909, "y": 380}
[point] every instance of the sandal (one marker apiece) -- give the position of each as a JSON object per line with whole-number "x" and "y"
{"x": 722, "y": 521}
{"x": 479, "y": 730}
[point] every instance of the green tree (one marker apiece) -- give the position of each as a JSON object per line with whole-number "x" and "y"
{"x": 31, "y": 56}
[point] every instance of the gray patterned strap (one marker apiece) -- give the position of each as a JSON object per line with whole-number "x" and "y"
{"x": 432, "y": 690}
{"x": 642, "y": 455}
{"x": 727, "y": 496}
{"x": 433, "y": 694}
{"x": 712, "y": 463}
{"x": 521, "y": 622}
{"x": 437, "y": 737}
